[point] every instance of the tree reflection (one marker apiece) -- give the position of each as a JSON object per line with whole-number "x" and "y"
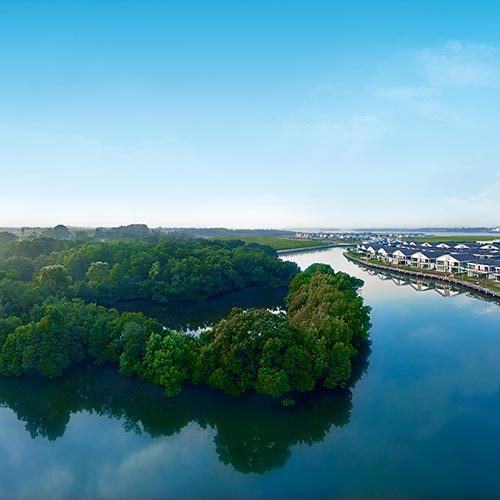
{"x": 254, "y": 438}
{"x": 184, "y": 316}
{"x": 254, "y": 433}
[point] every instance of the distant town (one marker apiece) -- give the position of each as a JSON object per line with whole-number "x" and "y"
{"x": 474, "y": 259}
{"x": 380, "y": 235}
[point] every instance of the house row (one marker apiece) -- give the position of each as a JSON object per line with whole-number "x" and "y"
{"x": 475, "y": 260}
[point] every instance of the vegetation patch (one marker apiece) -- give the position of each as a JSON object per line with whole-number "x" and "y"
{"x": 164, "y": 269}
{"x": 279, "y": 243}
{"x": 47, "y": 323}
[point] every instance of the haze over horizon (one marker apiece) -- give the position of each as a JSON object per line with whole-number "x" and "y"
{"x": 258, "y": 114}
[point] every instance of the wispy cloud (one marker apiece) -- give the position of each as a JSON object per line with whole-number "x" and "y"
{"x": 480, "y": 206}
{"x": 458, "y": 64}
{"x": 330, "y": 137}
{"x": 423, "y": 100}
{"x": 406, "y": 93}
{"x": 438, "y": 70}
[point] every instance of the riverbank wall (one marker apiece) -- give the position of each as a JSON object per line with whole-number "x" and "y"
{"x": 314, "y": 249}
{"x": 422, "y": 274}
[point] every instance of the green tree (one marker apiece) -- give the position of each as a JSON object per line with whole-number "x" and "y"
{"x": 19, "y": 268}
{"x": 54, "y": 279}
{"x": 42, "y": 347}
{"x": 325, "y": 307}
{"x": 248, "y": 351}
{"x": 136, "y": 331}
{"x": 169, "y": 361}
{"x": 98, "y": 274}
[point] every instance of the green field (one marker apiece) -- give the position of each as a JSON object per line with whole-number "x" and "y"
{"x": 457, "y": 238}
{"x": 278, "y": 243}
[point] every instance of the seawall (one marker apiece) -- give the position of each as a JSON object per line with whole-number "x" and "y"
{"x": 423, "y": 274}
{"x": 314, "y": 249}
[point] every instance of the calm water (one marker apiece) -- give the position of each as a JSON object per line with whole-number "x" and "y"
{"x": 421, "y": 421}
{"x": 194, "y": 317}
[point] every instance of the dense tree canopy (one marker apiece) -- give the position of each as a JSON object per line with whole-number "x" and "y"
{"x": 49, "y": 320}
{"x": 164, "y": 269}
{"x": 326, "y": 308}
{"x": 249, "y": 350}
{"x": 274, "y": 353}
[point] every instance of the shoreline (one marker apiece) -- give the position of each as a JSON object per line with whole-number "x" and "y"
{"x": 445, "y": 279}
{"x": 314, "y": 249}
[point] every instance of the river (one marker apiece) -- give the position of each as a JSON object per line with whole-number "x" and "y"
{"x": 421, "y": 421}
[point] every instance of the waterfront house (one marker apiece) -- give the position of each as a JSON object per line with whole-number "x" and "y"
{"x": 385, "y": 253}
{"x": 448, "y": 263}
{"x": 483, "y": 268}
{"x": 422, "y": 259}
{"x": 402, "y": 256}
{"x": 486, "y": 254}
{"x": 449, "y": 257}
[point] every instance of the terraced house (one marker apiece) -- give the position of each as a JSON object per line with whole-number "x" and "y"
{"x": 481, "y": 260}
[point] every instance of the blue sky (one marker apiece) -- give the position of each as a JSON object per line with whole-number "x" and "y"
{"x": 250, "y": 113}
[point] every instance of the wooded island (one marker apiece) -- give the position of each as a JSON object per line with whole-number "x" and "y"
{"x": 55, "y": 312}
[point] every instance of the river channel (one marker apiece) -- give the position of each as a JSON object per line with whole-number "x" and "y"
{"x": 420, "y": 421}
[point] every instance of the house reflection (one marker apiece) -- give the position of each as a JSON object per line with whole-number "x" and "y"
{"x": 417, "y": 284}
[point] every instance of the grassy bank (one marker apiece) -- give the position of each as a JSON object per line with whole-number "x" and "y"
{"x": 457, "y": 238}
{"x": 278, "y": 243}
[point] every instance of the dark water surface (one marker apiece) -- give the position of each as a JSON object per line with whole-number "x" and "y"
{"x": 422, "y": 421}
{"x": 193, "y": 317}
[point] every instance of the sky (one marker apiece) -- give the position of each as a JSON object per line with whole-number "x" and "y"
{"x": 257, "y": 114}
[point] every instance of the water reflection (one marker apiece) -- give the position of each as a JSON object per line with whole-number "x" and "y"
{"x": 193, "y": 317}
{"x": 422, "y": 423}
{"x": 252, "y": 433}
{"x": 425, "y": 284}
{"x": 417, "y": 283}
